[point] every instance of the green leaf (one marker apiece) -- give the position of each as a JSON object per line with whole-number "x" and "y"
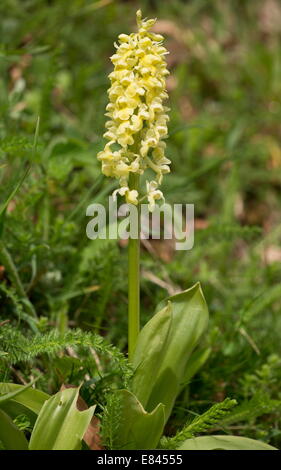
{"x": 14, "y": 191}
{"x": 149, "y": 352}
{"x": 11, "y": 437}
{"x": 60, "y": 426}
{"x": 14, "y": 409}
{"x": 224, "y": 443}
{"x": 138, "y": 429}
{"x": 28, "y": 397}
{"x": 196, "y": 361}
{"x": 200, "y": 424}
{"x": 248, "y": 410}
{"x": 186, "y": 318}
{"x": 11, "y": 394}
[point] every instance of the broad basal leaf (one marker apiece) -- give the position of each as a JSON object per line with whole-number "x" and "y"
{"x": 14, "y": 409}
{"x": 23, "y": 394}
{"x": 92, "y": 434}
{"x": 10, "y": 436}
{"x": 196, "y": 361}
{"x": 60, "y": 425}
{"x": 224, "y": 443}
{"x": 138, "y": 429}
{"x": 178, "y": 328}
{"x": 149, "y": 353}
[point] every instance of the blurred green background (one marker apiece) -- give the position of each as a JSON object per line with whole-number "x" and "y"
{"x": 224, "y": 88}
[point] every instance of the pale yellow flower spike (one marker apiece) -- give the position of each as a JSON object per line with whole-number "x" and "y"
{"x": 137, "y": 118}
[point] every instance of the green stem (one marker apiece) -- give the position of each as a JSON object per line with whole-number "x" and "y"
{"x": 7, "y": 261}
{"x": 134, "y": 280}
{"x": 46, "y": 216}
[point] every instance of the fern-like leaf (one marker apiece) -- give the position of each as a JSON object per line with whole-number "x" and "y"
{"x": 259, "y": 405}
{"x": 200, "y": 424}
{"x": 110, "y": 420}
{"x": 15, "y": 347}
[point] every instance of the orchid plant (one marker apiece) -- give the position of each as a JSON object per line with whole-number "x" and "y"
{"x": 164, "y": 354}
{"x": 168, "y": 351}
{"x": 136, "y": 128}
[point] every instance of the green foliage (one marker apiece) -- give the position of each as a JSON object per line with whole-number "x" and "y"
{"x": 224, "y": 443}
{"x": 164, "y": 347}
{"x": 224, "y": 144}
{"x": 60, "y": 426}
{"x": 248, "y": 410}
{"x": 23, "y": 423}
{"x": 16, "y": 347}
{"x": 10, "y": 294}
{"x": 30, "y": 398}
{"x": 11, "y": 437}
{"x": 110, "y": 420}
{"x": 267, "y": 375}
{"x": 138, "y": 428}
{"x": 200, "y": 424}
